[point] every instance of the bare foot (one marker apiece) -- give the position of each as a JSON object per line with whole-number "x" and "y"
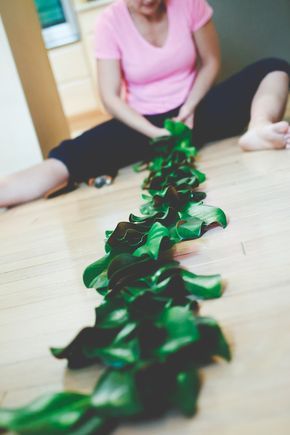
{"x": 266, "y": 137}
{"x": 288, "y": 138}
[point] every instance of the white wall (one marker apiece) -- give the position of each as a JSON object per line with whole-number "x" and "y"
{"x": 19, "y": 147}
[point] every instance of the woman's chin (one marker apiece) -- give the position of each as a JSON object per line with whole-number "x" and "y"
{"x": 148, "y": 11}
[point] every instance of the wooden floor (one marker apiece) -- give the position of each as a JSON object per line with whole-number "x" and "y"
{"x": 45, "y": 247}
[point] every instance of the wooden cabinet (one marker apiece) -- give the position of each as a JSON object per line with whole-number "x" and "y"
{"x": 74, "y": 65}
{"x": 88, "y": 13}
{"x": 75, "y": 84}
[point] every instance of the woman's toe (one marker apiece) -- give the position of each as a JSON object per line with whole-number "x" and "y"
{"x": 281, "y": 127}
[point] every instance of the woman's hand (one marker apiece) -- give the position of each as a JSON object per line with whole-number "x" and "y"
{"x": 186, "y": 116}
{"x": 159, "y": 132}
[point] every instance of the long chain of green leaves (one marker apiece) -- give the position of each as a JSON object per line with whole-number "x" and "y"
{"x": 148, "y": 332}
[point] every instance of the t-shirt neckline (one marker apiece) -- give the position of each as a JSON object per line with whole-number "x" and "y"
{"x": 141, "y": 37}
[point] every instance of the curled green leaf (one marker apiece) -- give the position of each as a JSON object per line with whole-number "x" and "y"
{"x": 116, "y": 394}
{"x": 181, "y": 330}
{"x": 185, "y": 394}
{"x": 94, "y": 270}
{"x": 157, "y": 235}
{"x": 62, "y": 413}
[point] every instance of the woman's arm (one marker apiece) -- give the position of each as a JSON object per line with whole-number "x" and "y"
{"x": 207, "y": 45}
{"x": 109, "y": 78}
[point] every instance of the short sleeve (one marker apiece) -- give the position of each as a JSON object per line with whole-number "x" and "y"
{"x": 106, "y": 42}
{"x": 200, "y": 12}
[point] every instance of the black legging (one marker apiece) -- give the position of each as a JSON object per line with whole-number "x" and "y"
{"x": 222, "y": 113}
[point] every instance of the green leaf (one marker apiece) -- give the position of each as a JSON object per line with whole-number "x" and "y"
{"x": 91, "y": 423}
{"x": 173, "y": 176}
{"x": 213, "y": 342}
{"x": 166, "y": 218}
{"x": 100, "y": 283}
{"x": 126, "y": 237}
{"x": 202, "y": 286}
{"x": 116, "y": 395}
{"x": 145, "y": 196}
{"x": 186, "y": 391}
{"x": 94, "y": 270}
{"x": 130, "y": 293}
{"x": 124, "y": 269}
{"x": 176, "y": 128}
{"x": 79, "y": 352}
{"x": 121, "y": 263}
{"x": 119, "y": 354}
{"x": 174, "y": 197}
{"x": 122, "y": 351}
{"x": 111, "y": 314}
{"x": 108, "y": 233}
{"x": 200, "y": 175}
{"x": 180, "y": 327}
{"x": 147, "y": 208}
{"x": 50, "y": 414}
{"x": 188, "y": 229}
{"x": 147, "y": 307}
{"x": 151, "y": 247}
{"x": 156, "y": 163}
{"x": 178, "y": 280}
{"x": 206, "y": 213}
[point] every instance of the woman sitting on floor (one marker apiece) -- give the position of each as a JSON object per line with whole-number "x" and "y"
{"x": 152, "y": 46}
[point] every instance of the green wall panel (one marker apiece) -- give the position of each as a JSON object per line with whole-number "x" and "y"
{"x": 250, "y": 30}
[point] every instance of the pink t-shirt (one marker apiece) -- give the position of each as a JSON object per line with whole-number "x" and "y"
{"x": 157, "y": 79}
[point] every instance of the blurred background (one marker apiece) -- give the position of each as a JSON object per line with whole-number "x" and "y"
{"x": 250, "y": 30}
{"x": 48, "y": 85}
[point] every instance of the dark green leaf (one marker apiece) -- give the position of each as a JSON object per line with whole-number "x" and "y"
{"x": 79, "y": 351}
{"x": 185, "y": 395}
{"x": 213, "y": 338}
{"x": 151, "y": 247}
{"x": 100, "y": 283}
{"x": 176, "y": 128}
{"x": 119, "y": 354}
{"x": 188, "y": 229}
{"x": 126, "y": 268}
{"x": 50, "y": 414}
{"x": 116, "y": 395}
{"x": 202, "y": 286}
{"x": 181, "y": 330}
{"x": 122, "y": 351}
{"x": 111, "y": 314}
{"x": 206, "y": 213}
{"x": 126, "y": 237}
{"x": 94, "y": 270}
